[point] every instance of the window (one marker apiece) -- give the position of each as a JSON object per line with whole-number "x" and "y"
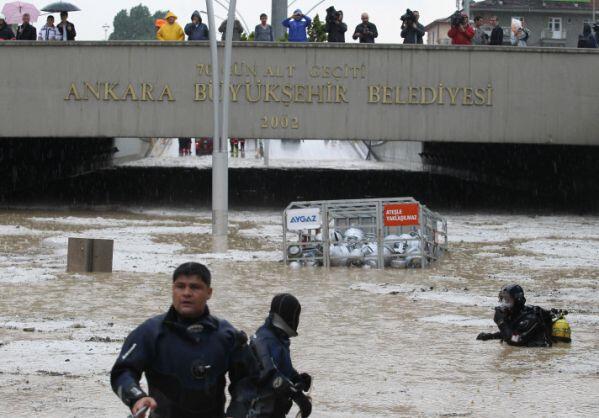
{"x": 555, "y": 24}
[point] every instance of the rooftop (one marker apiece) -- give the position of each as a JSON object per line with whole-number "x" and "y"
{"x": 533, "y": 5}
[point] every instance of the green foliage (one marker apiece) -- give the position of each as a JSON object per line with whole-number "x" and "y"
{"x": 284, "y": 38}
{"x": 317, "y": 30}
{"x": 159, "y": 14}
{"x": 137, "y": 25}
{"x": 245, "y": 37}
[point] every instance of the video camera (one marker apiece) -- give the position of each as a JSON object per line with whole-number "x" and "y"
{"x": 409, "y": 16}
{"x": 332, "y": 15}
{"x": 456, "y": 19}
{"x": 596, "y": 27}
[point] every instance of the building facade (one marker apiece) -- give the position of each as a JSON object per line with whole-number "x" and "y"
{"x": 436, "y": 32}
{"x": 551, "y": 23}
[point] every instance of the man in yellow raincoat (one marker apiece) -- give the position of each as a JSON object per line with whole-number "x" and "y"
{"x": 172, "y": 31}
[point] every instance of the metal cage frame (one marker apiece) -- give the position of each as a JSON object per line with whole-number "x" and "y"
{"x": 430, "y": 234}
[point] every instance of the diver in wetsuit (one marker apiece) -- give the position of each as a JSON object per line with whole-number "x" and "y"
{"x": 279, "y": 384}
{"x": 519, "y": 324}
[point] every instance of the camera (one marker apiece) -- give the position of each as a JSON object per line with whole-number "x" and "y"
{"x": 456, "y": 19}
{"x": 596, "y": 27}
{"x": 408, "y": 17}
{"x": 332, "y": 15}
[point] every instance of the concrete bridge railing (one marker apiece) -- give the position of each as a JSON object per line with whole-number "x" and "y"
{"x": 348, "y": 91}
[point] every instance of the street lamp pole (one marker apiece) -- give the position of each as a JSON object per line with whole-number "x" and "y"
{"x": 314, "y": 7}
{"x": 220, "y": 181}
{"x": 226, "y": 6}
{"x": 106, "y": 26}
{"x": 279, "y": 13}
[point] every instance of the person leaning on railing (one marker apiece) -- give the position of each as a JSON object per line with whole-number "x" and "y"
{"x": 196, "y": 30}
{"x": 6, "y": 33}
{"x": 264, "y": 32}
{"x": 49, "y": 32}
{"x": 26, "y": 31}
{"x": 65, "y": 28}
{"x": 171, "y": 31}
{"x": 587, "y": 39}
{"x": 497, "y": 32}
{"x": 366, "y": 31}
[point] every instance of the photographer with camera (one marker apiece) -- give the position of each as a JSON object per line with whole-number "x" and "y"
{"x": 461, "y": 33}
{"x": 366, "y": 32}
{"x": 297, "y": 24}
{"x": 335, "y": 27}
{"x": 412, "y": 31}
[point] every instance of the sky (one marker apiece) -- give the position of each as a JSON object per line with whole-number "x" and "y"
{"x": 384, "y": 13}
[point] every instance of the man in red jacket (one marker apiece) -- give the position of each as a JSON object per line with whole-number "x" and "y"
{"x": 463, "y": 33}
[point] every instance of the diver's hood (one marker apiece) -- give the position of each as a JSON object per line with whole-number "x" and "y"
{"x": 279, "y": 322}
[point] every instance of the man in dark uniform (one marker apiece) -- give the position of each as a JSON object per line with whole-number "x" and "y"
{"x": 519, "y": 324}
{"x": 279, "y": 384}
{"x": 185, "y": 355}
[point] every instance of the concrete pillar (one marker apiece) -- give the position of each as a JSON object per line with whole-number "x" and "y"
{"x": 90, "y": 255}
{"x": 279, "y": 13}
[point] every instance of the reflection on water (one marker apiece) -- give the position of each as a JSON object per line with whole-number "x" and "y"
{"x": 392, "y": 343}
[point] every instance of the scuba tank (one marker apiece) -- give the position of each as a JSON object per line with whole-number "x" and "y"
{"x": 561, "y": 330}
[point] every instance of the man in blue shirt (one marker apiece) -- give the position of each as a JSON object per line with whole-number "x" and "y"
{"x": 297, "y": 24}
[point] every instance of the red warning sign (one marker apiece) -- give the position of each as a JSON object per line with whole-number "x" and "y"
{"x": 402, "y": 214}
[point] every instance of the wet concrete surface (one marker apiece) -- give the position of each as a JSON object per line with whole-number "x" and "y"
{"x": 378, "y": 343}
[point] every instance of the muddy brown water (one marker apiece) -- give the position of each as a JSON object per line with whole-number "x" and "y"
{"x": 378, "y": 343}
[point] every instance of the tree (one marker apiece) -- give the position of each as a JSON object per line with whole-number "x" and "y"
{"x": 137, "y": 25}
{"x": 251, "y": 37}
{"x": 317, "y": 30}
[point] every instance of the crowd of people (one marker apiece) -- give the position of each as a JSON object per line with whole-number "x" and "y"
{"x": 63, "y": 31}
{"x": 462, "y": 31}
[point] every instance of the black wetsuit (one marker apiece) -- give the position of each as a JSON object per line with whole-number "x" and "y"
{"x": 185, "y": 363}
{"x": 529, "y": 326}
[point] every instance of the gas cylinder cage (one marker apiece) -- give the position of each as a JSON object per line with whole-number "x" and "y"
{"x": 337, "y": 233}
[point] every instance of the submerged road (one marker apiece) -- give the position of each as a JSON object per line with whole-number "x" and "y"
{"x": 398, "y": 343}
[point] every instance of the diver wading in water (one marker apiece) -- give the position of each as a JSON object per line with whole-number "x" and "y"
{"x": 278, "y": 383}
{"x": 524, "y": 325}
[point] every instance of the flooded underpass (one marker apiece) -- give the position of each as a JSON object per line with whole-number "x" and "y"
{"x": 378, "y": 343}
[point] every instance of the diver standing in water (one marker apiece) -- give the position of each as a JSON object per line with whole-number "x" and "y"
{"x": 279, "y": 384}
{"x": 523, "y": 325}
{"x": 185, "y": 354}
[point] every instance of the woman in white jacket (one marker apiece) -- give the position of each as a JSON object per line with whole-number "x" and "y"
{"x": 49, "y": 32}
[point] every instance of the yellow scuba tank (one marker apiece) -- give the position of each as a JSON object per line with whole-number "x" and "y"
{"x": 561, "y": 330}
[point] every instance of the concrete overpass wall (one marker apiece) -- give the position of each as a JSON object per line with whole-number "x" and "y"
{"x": 376, "y": 92}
